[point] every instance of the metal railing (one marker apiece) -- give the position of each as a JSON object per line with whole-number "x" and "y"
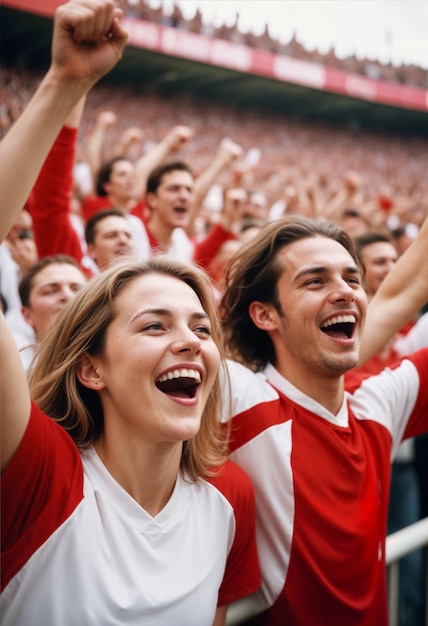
{"x": 398, "y": 545}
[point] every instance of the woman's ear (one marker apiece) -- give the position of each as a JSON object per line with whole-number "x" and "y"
{"x": 263, "y": 315}
{"x": 87, "y": 373}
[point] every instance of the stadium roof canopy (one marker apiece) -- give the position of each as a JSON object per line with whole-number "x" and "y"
{"x": 174, "y": 61}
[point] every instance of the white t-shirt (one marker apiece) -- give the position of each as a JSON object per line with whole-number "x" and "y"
{"x": 80, "y": 551}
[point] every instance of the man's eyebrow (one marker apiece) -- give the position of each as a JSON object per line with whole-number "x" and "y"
{"x": 178, "y": 185}
{"x": 52, "y": 283}
{"x": 116, "y": 231}
{"x": 58, "y": 283}
{"x": 321, "y": 269}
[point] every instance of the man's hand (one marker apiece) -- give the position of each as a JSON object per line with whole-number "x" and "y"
{"x": 229, "y": 151}
{"x": 106, "y": 119}
{"x": 233, "y": 208}
{"x": 23, "y": 251}
{"x": 178, "y": 137}
{"x": 88, "y": 41}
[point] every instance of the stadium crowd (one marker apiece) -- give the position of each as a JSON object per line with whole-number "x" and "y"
{"x": 232, "y": 171}
{"x": 363, "y": 181}
{"x": 291, "y": 161}
{"x": 173, "y": 17}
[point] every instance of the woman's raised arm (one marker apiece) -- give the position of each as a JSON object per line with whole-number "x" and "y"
{"x": 88, "y": 40}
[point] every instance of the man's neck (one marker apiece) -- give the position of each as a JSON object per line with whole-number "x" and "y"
{"x": 162, "y": 233}
{"x": 120, "y": 203}
{"x": 324, "y": 389}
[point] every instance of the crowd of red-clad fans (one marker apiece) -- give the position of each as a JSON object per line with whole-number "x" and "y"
{"x": 359, "y": 179}
{"x": 316, "y": 167}
{"x": 371, "y": 68}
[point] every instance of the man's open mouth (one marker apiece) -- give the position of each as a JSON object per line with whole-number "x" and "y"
{"x": 340, "y": 326}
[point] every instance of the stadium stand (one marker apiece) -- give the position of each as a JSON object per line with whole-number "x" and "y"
{"x": 344, "y": 139}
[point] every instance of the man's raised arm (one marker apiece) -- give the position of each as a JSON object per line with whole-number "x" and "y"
{"x": 402, "y": 294}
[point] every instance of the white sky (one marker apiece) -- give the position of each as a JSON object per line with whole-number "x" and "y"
{"x": 386, "y": 30}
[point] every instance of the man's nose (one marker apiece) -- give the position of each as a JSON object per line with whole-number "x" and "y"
{"x": 67, "y": 293}
{"x": 342, "y": 290}
{"x": 123, "y": 238}
{"x": 184, "y": 192}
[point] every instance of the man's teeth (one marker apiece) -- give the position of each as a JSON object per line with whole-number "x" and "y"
{"x": 340, "y": 319}
{"x": 183, "y": 373}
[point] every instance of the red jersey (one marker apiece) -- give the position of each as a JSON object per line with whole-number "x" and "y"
{"x": 322, "y": 488}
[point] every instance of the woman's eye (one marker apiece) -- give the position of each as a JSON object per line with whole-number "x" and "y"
{"x": 204, "y": 330}
{"x": 153, "y": 326}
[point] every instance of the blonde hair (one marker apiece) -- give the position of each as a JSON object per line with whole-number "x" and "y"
{"x": 81, "y": 328}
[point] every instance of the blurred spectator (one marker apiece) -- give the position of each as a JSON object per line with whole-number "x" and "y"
{"x": 17, "y": 254}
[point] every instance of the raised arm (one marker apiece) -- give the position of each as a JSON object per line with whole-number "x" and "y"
{"x": 226, "y": 229}
{"x": 50, "y": 200}
{"x": 228, "y": 152}
{"x": 87, "y": 42}
{"x": 173, "y": 141}
{"x": 400, "y": 297}
{"x": 95, "y": 143}
{"x": 14, "y": 396}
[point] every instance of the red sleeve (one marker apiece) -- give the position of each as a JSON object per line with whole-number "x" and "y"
{"x": 372, "y": 367}
{"x": 49, "y": 203}
{"x": 418, "y": 422}
{"x": 41, "y": 487}
{"x": 205, "y": 250}
{"x": 242, "y": 574}
{"x": 94, "y": 204}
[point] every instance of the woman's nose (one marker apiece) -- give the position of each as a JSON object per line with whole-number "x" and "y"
{"x": 186, "y": 340}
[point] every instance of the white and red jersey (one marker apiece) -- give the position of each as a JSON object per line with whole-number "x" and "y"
{"x": 322, "y": 488}
{"x": 79, "y": 550}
